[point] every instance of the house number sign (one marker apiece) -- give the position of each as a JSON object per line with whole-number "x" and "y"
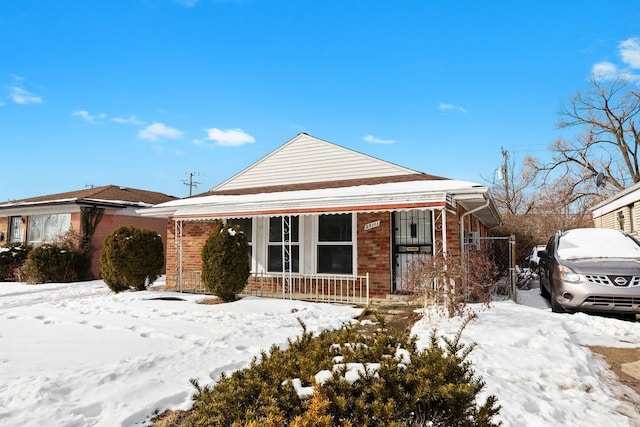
{"x": 371, "y": 225}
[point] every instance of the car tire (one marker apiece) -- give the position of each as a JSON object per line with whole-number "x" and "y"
{"x": 543, "y": 291}
{"x": 555, "y": 305}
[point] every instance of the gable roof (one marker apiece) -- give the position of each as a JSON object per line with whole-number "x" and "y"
{"x": 109, "y": 195}
{"x": 307, "y": 160}
{"x": 309, "y": 176}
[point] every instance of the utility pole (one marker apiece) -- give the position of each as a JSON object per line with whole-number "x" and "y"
{"x": 505, "y": 172}
{"x": 191, "y": 183}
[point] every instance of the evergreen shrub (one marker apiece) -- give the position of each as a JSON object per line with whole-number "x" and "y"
{"x": 12, "y": 258}
{"x": 57, "y": 262}
{"x": 131, "y": 258}
{"x": 225, "y": 263}
{"x": 436, "y": 387}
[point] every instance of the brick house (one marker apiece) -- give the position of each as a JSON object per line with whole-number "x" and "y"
{"x": 620, "y": 211}
{"x": 45, "y": 219}
{"x": 338, "y": 218}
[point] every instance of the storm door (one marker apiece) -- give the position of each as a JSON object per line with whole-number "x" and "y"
{"x": 15, "y": 229}
{"x": 412, "y": 238}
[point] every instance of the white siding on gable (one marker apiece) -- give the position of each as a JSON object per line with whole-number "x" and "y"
{"x": 307, "y": 159}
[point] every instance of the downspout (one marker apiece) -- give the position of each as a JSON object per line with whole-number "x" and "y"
{"x": 463, "y": 216}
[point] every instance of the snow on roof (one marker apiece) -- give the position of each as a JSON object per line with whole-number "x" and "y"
{"x": 317, "y": 200}
{"x": 75, "y": 200}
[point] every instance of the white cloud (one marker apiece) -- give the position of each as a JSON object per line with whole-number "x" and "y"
{"x": 156, "y": 131}
{"x": 373, "y": 140}
{"x": 131, "y": 120}
{"x": 84, "y": 115}
{"x": 20, "y": 95}
{"x": 443, "y": 106}
{"x": 229, "y": 137}
{"x": 630, "y": 52}
{"x": 604, "y": 71}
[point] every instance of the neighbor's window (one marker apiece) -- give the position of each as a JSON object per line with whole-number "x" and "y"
{"x": 335, "y": 244}
{"x": 274, "y": 250}
{"x": 47, "y": 228}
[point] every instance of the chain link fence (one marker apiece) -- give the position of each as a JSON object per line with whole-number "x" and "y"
{"x": 501, "y": 251}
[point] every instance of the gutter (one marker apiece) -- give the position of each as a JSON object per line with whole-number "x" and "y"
{"x": 464, "y": 215}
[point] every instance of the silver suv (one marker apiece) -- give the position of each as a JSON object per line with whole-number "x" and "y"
{"x": 591, "y": 269}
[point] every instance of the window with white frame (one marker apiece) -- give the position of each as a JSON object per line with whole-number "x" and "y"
{"x": 335, "y": 244}
{"x": 275, "y": 244}
{"x": 47, "y": 228}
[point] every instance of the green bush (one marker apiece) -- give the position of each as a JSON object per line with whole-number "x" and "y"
{"x": 436, "y": 386}
{"x": 12, "y": 257}
{"x": 131, "y": 258}
{"x": 225, "y": 263}
{"x": 57, "y": 263}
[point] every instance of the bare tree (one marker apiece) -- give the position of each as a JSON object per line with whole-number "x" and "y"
{"x": 512, "y": 192}
{"x": 607, "y": 145}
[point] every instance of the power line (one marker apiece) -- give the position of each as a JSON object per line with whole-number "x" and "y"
{"x": 190, "y": 182}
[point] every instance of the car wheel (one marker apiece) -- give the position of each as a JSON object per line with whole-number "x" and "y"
{"x": 543, "y": 291}
{"x": 555, "y": 306}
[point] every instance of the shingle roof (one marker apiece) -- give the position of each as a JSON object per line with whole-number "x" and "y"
{"x": 327, "y": 184}
{"x": 107, "y": 193}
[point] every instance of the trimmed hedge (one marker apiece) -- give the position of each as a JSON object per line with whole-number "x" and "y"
{"x": 57, "y": 263}
{"x": 131, "y": 258}
{"x": 12, "y": 257}
{"x": 225, "y": 262}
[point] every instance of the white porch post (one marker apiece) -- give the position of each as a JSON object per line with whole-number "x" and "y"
{"x": 177, "y": 244}
{"x": 286, "y": 255}
{"x": 444, "y": 231}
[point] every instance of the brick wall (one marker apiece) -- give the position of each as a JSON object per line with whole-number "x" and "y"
{"x": 374, "y": 251}
{"x": 195, "y": 235}
{"x": 4, "y": 229}
{"x": 110, "y": 223}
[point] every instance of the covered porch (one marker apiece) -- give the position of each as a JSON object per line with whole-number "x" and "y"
{"x": 343, "y": 244}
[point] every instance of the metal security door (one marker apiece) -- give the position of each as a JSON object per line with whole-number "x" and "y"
{"x": 412, "y": 238}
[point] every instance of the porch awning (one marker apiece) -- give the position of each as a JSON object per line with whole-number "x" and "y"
{"x": 436, "y": 194}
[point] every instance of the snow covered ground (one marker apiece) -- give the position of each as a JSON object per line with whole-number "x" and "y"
{"x": 536, "y": 362}
{"x": 79, "y": 355}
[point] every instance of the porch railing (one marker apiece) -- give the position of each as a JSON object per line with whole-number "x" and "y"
{"x": 340, "y": 288}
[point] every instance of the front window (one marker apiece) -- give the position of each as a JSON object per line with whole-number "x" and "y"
{"x": 290, "y": 231}
{"x": 47, "y": 228}
{"x": 335, "y": 244}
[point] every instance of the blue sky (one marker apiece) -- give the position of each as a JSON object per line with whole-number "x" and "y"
{"x": 139, "y": 93}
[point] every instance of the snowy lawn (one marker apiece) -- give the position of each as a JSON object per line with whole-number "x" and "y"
{"x": 79, "y": 355}
{"x": 538, "y": 366}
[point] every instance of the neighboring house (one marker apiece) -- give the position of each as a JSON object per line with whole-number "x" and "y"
{"x": 334, "y": 213}
{"x": 620, "y": 211}
{"x": 45, "y": 219}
